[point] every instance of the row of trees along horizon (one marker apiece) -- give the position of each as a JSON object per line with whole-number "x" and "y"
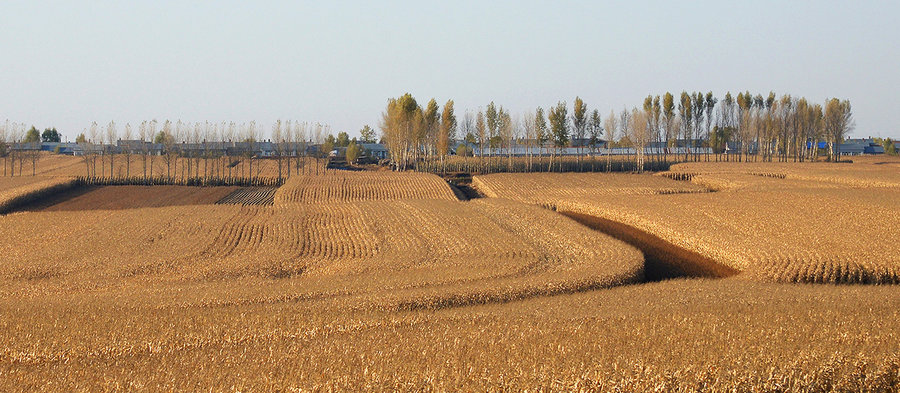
{"x": 693, "y": 126}
{"x": 760, "y": 128}
{"x": 203, "y": 166}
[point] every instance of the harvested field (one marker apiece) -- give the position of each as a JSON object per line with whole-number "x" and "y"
{"x": 411, "y": 254}
{"x": 247, "y": 196}
{"x": 129, "y": 197}
{"x": 20, "y": 191}
{"x": 696, "y": 335}
{"x": 397, "y": 293}
{"x": 866, "y": 174}
{"x": 806, "y": 231}
{"x": 536, "y": 188}
{"x": 349, "y": 186}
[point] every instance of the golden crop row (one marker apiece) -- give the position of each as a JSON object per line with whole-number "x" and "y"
{"x": 540, "y": 187}
{"x": 344, "y": 186}
{"x": 416, "y": 253}
{"x": 800, "y": 233}
{"x": 16, "y": 191}
{"x": 868, "y": 173}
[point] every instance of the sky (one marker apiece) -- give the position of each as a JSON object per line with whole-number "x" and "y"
{"x": 69, "y": 63}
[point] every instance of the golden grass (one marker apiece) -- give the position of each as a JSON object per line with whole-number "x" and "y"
{"x": 786, "y": 230}
{"x": 348, "y": 186}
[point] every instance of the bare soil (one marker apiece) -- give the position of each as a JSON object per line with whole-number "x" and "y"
{"x": 129, "y": 197}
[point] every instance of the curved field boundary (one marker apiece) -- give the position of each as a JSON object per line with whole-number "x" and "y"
{"x": 662, "y": 259}
{"x": 15, "y": 198}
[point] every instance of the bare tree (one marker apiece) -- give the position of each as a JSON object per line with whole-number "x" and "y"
{"x": 611, "y": 124}
{"x": 145, "y": 147}
{"x": 278, "y": 140}
{"x": 838, "y": 123}
{"x": 127, "y": 135}
{"x": 167, "y": 138}
{"x": 92, "y": 142}
{"x": 111, "y": 140}
{"x": 625, "y": 124}
{"x": 4, "y": 146}
{"x": 638, "y": 133}
{"x": 530, "y": 137}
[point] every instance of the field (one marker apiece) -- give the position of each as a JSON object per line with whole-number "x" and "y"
{"x": 250, "y": 196}
{"x": 18, "y": 191}
{"x": 131, "y": 197}
{"x": 347, "y": 186}
{"x": 813, "y": 224}
{"x": 361, "y": 281}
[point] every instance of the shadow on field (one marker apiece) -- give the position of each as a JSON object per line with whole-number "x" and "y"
{"x": 662, "y": 260}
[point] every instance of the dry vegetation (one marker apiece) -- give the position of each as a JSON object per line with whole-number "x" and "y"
{"x": 348, "y": 186}
{"x": 19, "y": 191}
{"x": 538, "y": 188}
{"x": 411, "y": 254}
{"x": 867, "y": 173}
{"x": 718, "y": 335}
{"x": 383, "y": 281}
{"x": 800, "y": 223}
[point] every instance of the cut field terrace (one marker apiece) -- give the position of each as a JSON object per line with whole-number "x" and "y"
{"x": 387, "y": 282}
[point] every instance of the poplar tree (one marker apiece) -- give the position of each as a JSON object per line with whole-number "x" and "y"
{"x": 559, "y": 126}
{"x": 447, "y": 131}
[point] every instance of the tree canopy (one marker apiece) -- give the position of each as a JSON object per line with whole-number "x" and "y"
{"x": 50, "y": 135}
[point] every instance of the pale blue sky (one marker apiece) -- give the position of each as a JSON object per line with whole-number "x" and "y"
{"x": 69, "y": 63}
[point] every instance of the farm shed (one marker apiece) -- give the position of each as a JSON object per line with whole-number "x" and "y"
{"x": 375, "y": 150}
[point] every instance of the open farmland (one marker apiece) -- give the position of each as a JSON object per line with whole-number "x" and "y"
{"x": 387, "y": 282}
{"x": 130, "y": 197}
{"x": 250, "y": 196}
{"x": 803, "y": 227}
{"x": 409, "y": 253}
{"x": 349, "y": 186}
{"x": 19, "y": 191}
{"x": 706, "y": 335}
{"x": 867, "y": 173}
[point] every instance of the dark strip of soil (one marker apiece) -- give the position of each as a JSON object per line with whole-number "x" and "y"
{"x": 662, "y": 260}
{"x": 39, "y": 204}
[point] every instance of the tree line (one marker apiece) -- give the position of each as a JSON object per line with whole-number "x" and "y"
{"x": 690, "y": 126}
{"x": 204, "y": 152}
{"x": 15, "y": 134}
